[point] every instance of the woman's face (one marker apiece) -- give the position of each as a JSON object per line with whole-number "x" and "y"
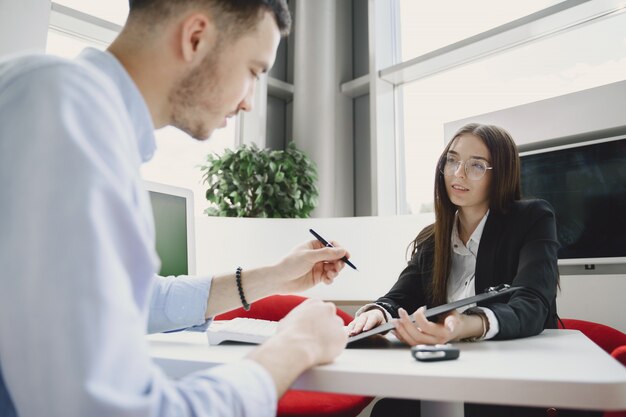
{"x": 466, "y": 193}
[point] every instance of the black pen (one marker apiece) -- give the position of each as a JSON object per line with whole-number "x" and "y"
{"x": 325, "y": 243}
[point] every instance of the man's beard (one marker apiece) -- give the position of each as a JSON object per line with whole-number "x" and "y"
{"x": 186, "y": 102}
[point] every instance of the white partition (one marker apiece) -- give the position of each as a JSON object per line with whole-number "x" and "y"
{"x": 587, "y": 113}
{"x": 377, "y": 246}
{"x": 23, "y": 26}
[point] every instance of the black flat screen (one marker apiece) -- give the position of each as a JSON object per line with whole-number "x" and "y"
{"x": 586, "y": 185}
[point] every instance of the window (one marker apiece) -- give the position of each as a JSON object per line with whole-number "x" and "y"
{"x": 178, "y": 157}
{"x": 429, "y": 25}
{"x": 549, "y": 67}
{"x": 114, "y": 11}
{"x": 67, "y": 46}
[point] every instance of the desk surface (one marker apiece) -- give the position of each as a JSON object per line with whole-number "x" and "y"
{"x": 560, "y": 368}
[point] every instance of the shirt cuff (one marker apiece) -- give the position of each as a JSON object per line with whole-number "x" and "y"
{"x": 243, "y": 388}
{"x": 372, "y": 306}
{"x": 179, "y": 303}
{"x": 253, "y": 384}
{"x": 494, "y": 326}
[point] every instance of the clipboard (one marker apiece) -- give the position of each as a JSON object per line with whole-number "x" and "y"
{"x": 488, "y": 294}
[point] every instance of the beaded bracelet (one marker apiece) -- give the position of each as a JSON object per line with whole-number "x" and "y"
{"x": 245, "y": 304}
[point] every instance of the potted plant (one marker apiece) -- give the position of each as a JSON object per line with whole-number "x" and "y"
{"x": 253, "y": 182}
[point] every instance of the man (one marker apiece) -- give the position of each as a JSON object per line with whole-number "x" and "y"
{"x": 78, "y": 284}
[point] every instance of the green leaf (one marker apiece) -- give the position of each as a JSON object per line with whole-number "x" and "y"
{"x": 249, "y": 181}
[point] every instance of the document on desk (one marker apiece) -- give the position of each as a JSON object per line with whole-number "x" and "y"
{"x": 489, "y": 294}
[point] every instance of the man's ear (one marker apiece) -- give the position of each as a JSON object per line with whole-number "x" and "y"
{"x": 198, "y": 35}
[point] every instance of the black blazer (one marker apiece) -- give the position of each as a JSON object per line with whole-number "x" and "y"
{"x": 519, "y": 248}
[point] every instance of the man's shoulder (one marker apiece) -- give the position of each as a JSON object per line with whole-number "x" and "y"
{"x": 34, "y": 66}
{"x": 45, "y": 74}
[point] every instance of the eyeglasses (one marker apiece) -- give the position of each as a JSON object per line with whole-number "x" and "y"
{"x": 475, "y": 169}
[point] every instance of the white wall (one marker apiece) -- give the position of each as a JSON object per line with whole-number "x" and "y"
{"x": 377, "y": 246}
{"x": 23, "y": 25}
{"x": 597, "y": 298}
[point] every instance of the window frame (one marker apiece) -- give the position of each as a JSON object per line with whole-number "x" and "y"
{"x": 385, "y": 80}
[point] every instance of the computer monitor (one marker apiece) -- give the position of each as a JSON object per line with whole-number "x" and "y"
{"x": 173, "y": 218}
{"x": 584, "y": 182}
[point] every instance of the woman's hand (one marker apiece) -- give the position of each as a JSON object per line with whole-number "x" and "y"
{"x": 366, "y": 321}
{"x": 426, "y": 332}
{"x": 310, "y": 264}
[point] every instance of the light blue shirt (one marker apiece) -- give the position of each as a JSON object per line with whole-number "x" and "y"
{"x": 78, "y": 287}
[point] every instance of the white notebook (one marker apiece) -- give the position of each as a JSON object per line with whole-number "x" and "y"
{"x": 241, "y": 329}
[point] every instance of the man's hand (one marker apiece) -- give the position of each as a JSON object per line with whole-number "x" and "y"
{"x": 315, "y": 324}
{"x": 306, "y": 266}
{"x": 310, "y": 264}
{"x": 311, "y": 334}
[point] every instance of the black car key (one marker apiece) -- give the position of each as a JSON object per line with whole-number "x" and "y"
{"x": 432, "y": 353}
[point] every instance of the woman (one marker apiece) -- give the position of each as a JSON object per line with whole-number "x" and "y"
{"x": 484, "y": 235}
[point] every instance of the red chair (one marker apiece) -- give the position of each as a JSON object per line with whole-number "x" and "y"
{"x": 620, "y": 354}
{"x": 302, "y": 403}
{"x": 604, "y": 336}
{"x": 611, "y": 340}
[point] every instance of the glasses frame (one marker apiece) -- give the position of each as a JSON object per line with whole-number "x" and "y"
{"x": 444, "y": 162}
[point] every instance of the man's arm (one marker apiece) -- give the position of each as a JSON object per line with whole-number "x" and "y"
{"x": 77, "y": 260}
{"x": 186, "y": 302}
{"x": 179, "y": 303}
{"x": 311, "y": 334}
{"x": 306, "y": 266}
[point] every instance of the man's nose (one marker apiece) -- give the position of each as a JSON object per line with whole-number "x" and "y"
{"x": 246, "y": 103}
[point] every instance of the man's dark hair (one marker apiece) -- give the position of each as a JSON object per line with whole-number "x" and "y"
{"x": 231, "y": 16}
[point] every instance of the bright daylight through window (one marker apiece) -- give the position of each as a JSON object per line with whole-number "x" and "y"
{"x": 586, "y": 56}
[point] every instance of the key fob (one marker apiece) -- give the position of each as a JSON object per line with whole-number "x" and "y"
{"x": 432, "y": 353}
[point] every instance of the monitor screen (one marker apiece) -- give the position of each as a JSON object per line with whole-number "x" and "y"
{"x": 173, "y": 219}
{"x": 586, "y": 185}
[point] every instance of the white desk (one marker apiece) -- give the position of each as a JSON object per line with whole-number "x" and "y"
{"x": 560, "y": 368}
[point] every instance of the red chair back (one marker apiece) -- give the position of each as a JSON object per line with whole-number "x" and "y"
{"x": 611, "y": 340}
{"x": 274, "y": 307}
{"x": 604, "y": 336}
{"x": 620, "y": 354}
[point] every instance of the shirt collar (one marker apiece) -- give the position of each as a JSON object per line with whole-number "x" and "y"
{"x": 138, "y": 112}
{"x": 474, "y": 240}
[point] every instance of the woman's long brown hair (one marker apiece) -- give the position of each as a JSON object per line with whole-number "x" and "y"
{"x": 505, "y": 189}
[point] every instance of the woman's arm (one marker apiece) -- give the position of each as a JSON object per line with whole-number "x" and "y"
{"x": 409, "y": 292}
{"x": 527, "y": 310}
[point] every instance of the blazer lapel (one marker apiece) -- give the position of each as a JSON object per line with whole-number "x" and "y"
{"x": 486, "y": 258}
